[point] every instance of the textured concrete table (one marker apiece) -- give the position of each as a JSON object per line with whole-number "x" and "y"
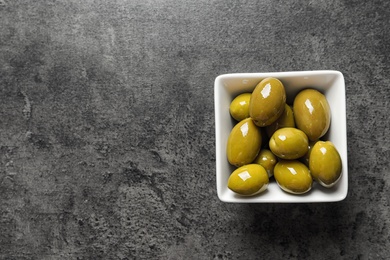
{"x": 107, "y": 146}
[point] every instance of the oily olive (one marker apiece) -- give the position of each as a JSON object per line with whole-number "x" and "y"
{"x": 268, "y": 160}
{"x": 289, "y": 143}
{"x": 244, "y": 143}
{"x": 239, "y": 107}
{"x": 267, "y": 102}
{"x": 305, "y": 158}
{"x": 285, "y": 120}
{"x": 293, "y": 176}
{"x": 312, "y": 113}
{"x": 325, "y": 163}
{"x": 248, "y": 180}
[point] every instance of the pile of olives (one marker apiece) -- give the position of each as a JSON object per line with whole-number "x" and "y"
{"x": 273, "y": 139}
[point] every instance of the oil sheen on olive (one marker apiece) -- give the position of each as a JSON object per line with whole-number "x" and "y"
{"x": 293, "y": 176}
{"x": 248, "y": 180}
{"x": 267, "y": 102}
{"x": 244, "y": 143}
{"x": 289, "y": 143}
{"x": 268, "y": 160}
{"x": 325, "y": 163}
{"x": 312, "y": 113}
{"x": 305, "y": 158}
{"x": 285, "y": 120}
{"x": 239, "y": 107}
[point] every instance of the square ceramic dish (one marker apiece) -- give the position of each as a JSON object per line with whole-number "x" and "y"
{"x": 330, "y": 83}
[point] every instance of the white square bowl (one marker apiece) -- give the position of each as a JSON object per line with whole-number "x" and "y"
{"x": 330, "y": 83}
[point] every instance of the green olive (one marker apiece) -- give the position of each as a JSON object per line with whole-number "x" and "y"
{"x": 289, "y": 143}
{"x": 268, "y": 160}
{"x": 285, "y": 120}
{"x": 325, "y": 163}
{"x": 267, "y": 102}
{"x": 293, "y": 176}
{"x": 244, "y": 143}
{"x": 312, "y": 113}
{"x": 305, "y": 158}
{"x": 248, "y": 180}
{"x": 239, "y": 107}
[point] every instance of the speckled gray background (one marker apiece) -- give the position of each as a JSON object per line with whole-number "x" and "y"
{"x": 107, "y": 138}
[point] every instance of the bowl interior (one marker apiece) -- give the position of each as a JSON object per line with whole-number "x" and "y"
{"x": 330, "y": 83}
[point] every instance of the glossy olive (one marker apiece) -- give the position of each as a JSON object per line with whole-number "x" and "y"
{"x": 268, "y": 160}
{"x": 239, "y": 107}
{"x": 285, "y": 120}
{"x": 312, "y": 113}
{"x": 248, "y": 180}
{"x": 289, "y": 143}
{"x": 325, "y": 163}
{"x": 305, "y": 158}
{"x": 293, "y": 176}
{"x": 267, "y": 102}
{"x": 244, "y": 143}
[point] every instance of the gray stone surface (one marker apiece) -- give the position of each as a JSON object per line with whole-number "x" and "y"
{"x": 107, "y": 142}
